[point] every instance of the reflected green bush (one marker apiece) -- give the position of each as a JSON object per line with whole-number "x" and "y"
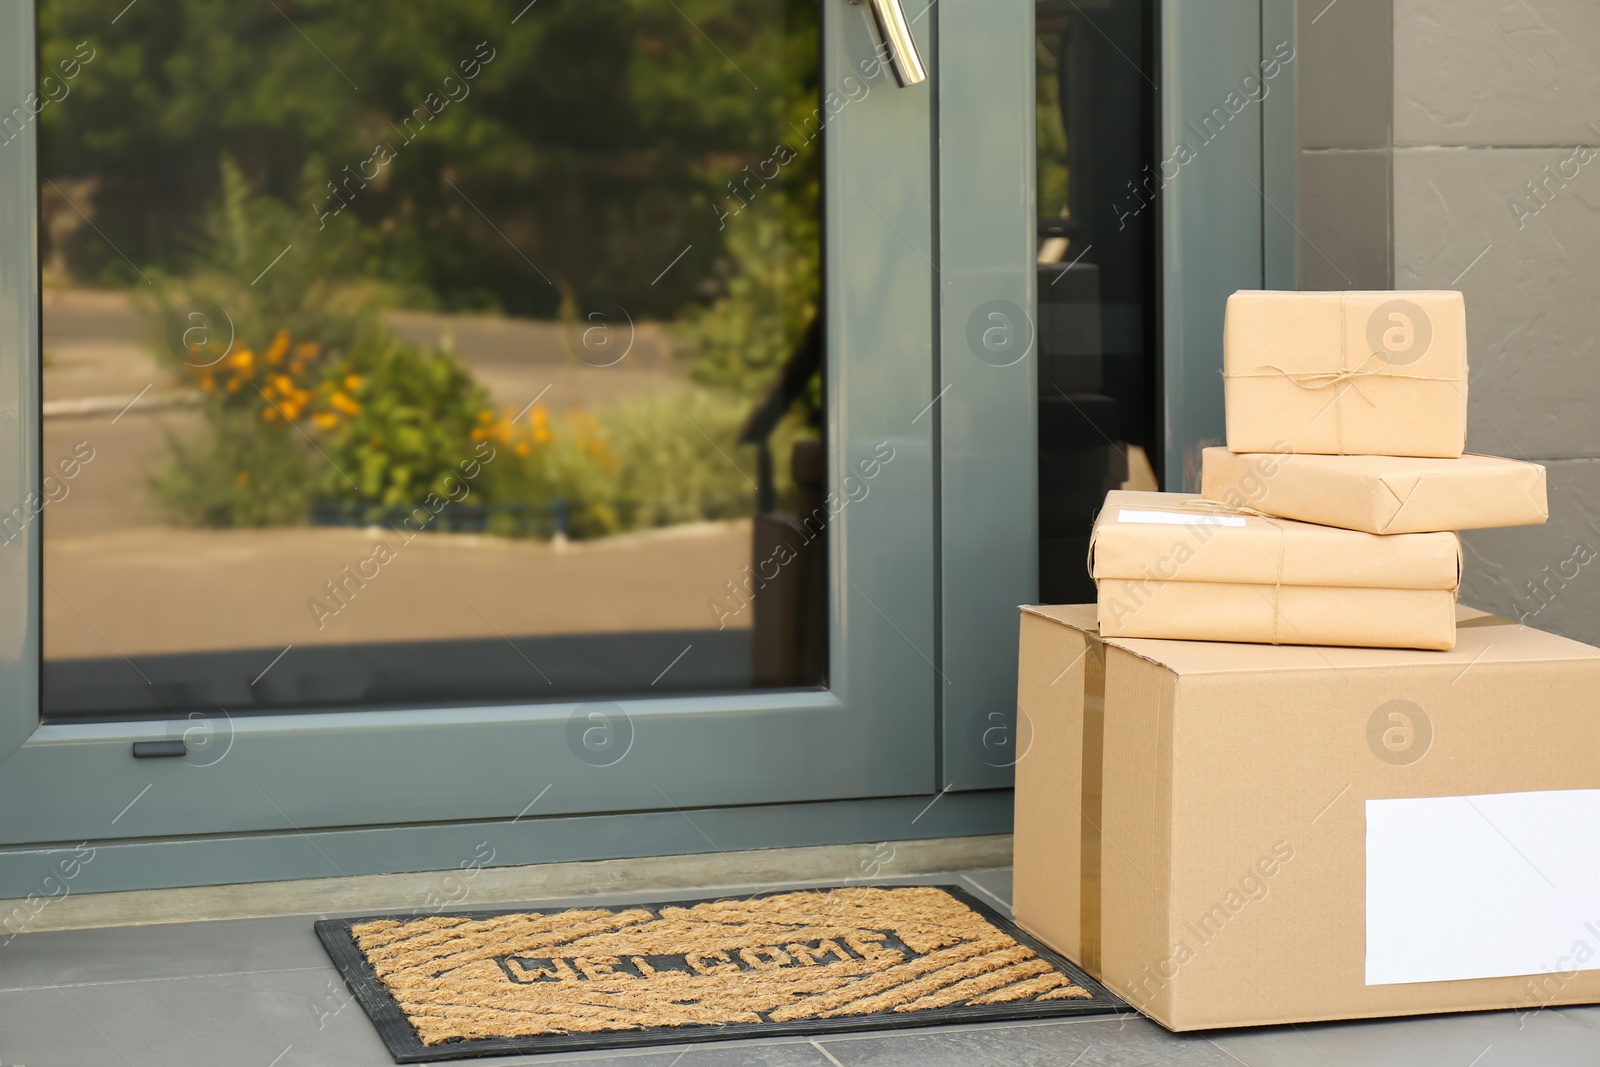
{"x": 333, "y": 409}
{"x": 599, "y": 155}
{"x": 303, "y": 390}
{"x": 657, "y": 459}
{"x": 599, "y": 136}
{"x": 236, "y": 475}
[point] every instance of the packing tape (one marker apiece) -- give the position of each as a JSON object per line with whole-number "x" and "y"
{"x": 1089, "y": 803}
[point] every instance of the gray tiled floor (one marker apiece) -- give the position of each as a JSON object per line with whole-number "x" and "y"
{"x": 261, "y": 993}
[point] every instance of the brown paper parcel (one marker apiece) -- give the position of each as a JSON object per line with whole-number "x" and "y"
{"x": 1191, "y": 818}
{"x": 1173, "y": 565}
{"x": 1380, "y": 494}
{"x": 1352, "y": 373}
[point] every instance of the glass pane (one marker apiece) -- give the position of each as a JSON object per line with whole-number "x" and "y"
{"x": 399, "y": 353}
{"x": 1099, "y": 411}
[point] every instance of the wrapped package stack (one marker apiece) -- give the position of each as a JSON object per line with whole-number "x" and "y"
{"x": 1173, "y": 566}
{"x": 1276, "y": 773}
{"x": 1346, "y": 423}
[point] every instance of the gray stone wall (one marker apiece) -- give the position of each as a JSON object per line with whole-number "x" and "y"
{"x": 1345, "y": 111}
{"x": 1456, "y": 144}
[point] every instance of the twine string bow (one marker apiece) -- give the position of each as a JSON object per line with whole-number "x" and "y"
{"x": 1344, "y": 377}
{"x": 1217, "y": 507}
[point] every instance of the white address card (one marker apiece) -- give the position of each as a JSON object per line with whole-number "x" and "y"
{"x": 1483, "y": 886}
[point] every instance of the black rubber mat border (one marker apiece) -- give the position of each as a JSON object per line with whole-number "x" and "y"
{"x": 404, "y": 1045}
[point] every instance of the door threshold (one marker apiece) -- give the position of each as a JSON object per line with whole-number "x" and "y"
{"x": 433, "y": 892}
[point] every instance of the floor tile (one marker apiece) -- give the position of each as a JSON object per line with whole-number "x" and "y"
{"x": 283, "y": 1019}
{"x": 1116, "y": 1042}
{"x": 1586, "y": 1016}
{"x": 302, "y": 1017}
{"x": 169, "y": 950}
{"x": 796, "y": 1053}
{"x": 992, "y": 885}
{"x": 1480, "y": 1039}
{"x": 247, "y": 991}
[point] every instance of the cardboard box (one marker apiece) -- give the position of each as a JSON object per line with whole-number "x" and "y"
{"x": 1173, "y": 565}
{"x": 1356, "y": 373}
{"x": 1194, "y": 822}
{"x": 1379, "y": 494}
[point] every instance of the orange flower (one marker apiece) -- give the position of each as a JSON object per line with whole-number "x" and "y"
{"x": 279, "y": 347}
{"x": 522, "y": 448}
{"x": 602, "y": 455}
{"x": 291, "y": 410}
{"x": 352, "y": 383}
{"x": 241, "y": 478}
{"x": 345, "y": 404}
{"x": 242, "y": 361}
{"x": 207, "y": 382}
{"x": 486, "y": 416}
{"x": 233, "y": 385}
{"x": 270, "y": 415}
{"x": 325, "y": 419}
{"x": 540, "y": 418}
{"x": 306, "y": 350}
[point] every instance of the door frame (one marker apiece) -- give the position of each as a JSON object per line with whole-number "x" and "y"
{"x": 923, "y": 628}
{"x": 1227, "y": 221}
{"x": 1225, "y": 224}
{"x": 870, "y": 734}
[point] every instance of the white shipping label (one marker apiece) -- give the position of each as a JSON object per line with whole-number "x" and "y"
{"x": 1483, "y": 886}
{"x": 1175, "y": 518}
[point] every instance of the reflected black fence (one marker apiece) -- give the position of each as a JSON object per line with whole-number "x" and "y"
{"x": 542, "y": 520}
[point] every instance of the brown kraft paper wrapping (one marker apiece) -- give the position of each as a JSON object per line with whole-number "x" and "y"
{"x": 1174, "y": 566}
{"x": 1380, "y": 494}
{"x": 1351, "y": 373}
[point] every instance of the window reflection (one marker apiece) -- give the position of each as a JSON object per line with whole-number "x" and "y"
{"x": 423, "y": 352}
{"x": 1098, "y": 411}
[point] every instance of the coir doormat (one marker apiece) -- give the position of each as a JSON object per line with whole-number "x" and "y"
{"x": 814, "y": 961}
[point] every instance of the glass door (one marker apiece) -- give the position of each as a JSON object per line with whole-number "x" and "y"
{"x": 612, "y": 428}
{"x": 431, "y": 413}
{"x": 1099, "y": 404}
{"x": 471, "y": 363}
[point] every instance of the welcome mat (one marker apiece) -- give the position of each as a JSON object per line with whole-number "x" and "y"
{"x": 812, "y": 961}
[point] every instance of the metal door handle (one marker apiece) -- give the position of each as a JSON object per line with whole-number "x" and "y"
{"x": 894, "y": 37}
